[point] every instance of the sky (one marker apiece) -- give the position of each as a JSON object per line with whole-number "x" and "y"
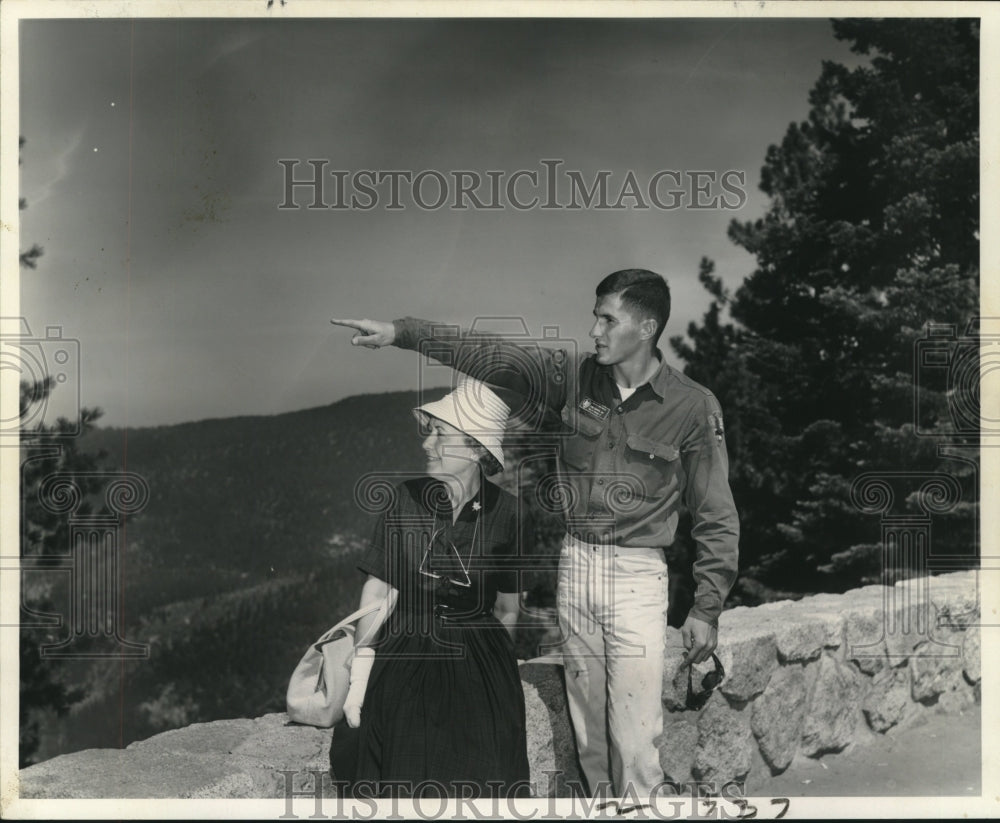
{"x": 152, "y": 181}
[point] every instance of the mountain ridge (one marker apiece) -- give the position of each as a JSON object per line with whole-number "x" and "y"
{"x": 236, "y": 501}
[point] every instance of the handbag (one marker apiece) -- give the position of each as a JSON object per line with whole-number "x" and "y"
{"x": 318, "y": 686}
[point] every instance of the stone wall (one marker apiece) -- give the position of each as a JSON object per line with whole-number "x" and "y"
{"x": 803, "y": 679}
{"x": 818, "y": 675}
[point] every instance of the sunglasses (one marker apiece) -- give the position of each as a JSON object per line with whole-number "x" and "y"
{"x": 426, "y": 571}
{"x": 709, "y": 683}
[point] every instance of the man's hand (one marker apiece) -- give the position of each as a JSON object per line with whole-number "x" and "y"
{"x": 373, "y": 334}
{"x": 700, "y": 639}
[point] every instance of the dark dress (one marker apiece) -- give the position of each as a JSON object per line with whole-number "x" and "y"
{"x": 444, "y": 704}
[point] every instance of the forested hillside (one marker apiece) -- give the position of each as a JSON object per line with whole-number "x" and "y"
{"x": 240, "y": 501}
{"x": 245, "y": 553}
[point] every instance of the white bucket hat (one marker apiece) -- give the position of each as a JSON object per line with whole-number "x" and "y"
{"x": 474, "y": 409}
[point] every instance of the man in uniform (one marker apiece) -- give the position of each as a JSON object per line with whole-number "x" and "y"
{"x": 641, "y": 440}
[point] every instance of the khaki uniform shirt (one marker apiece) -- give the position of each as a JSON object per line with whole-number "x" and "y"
{"x": 626, "y": 465}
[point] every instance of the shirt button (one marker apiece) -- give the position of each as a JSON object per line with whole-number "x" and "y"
{"x": 620, "y": 409}
{"x": 611, "y": 444}
{"x": 600, "y": 482}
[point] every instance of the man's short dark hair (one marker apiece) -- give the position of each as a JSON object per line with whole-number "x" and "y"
{"x": 643, "y": 292}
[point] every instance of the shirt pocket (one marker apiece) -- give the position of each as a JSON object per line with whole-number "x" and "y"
{"x": 578, "y": 447}
{"x": 654, "y": 463}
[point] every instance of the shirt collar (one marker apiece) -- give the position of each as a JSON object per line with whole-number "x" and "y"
{"x": 658, "y": 382}
{"x": 661, "y": 377}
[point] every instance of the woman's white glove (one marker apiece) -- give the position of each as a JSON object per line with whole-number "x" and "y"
{"x": 361, "y": 668}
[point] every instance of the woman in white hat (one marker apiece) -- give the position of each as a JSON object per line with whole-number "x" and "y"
{"x": 436, "y": 704}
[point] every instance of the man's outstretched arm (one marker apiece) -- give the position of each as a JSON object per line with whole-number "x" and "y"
{"x": 538, "y": 376}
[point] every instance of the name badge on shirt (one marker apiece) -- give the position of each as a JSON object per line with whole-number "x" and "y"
{"x": 594, "y": 409}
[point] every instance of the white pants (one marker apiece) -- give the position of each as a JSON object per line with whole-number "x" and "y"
{"x": 612, "y": 605}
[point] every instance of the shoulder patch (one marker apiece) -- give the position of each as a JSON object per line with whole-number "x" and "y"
{"x": 715, "y": 424}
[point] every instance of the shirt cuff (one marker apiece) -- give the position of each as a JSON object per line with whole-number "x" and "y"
{"x": 705, "y": 614}
{"x": 406, "y": 332}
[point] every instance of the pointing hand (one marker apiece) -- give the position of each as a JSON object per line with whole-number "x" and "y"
{"x": 372, "y": 334}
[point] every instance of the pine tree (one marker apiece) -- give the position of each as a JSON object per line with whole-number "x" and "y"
{"x": 871, "y": 234}
{"x": 45, "y": 450}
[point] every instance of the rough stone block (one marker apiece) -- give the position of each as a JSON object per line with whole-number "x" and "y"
{"x": 971, "y": 655}
{"x": 777, "y": 716}
{"x": 805, "y": 640}
{"x": 889, "y": 699}
{"x": 832, "y": 714}
{"x": 148, "y": 773}
{"x": 674, "y": 672}
{"x": 864, "y": 639}
{"x": 957, "y": 699}
{"x": 266, "y": 739}
{"x": 826, "y": 610}
{"x": 933, "y": 670}
{"x": 760, "y": 773}
{"x": 677, "y": 749}
{"x": 801, "y": 631}
{"x": 863, "y": 599}
{"x": 869, "y": 595}
{"x": 910, "y": 616}
{"x": 725, "y": 743}
{"x": 551, "y": 748}
{"x": 955, "y": 596}
{"x": 749, "y": 657}
{"x": 222, "y": 735}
